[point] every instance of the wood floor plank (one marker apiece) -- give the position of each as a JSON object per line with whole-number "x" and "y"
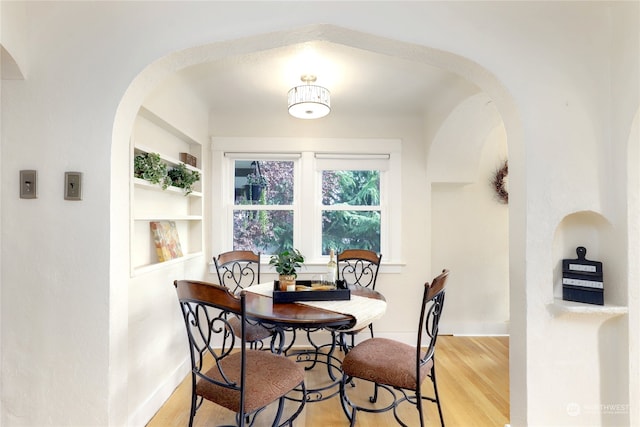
{"x": 473, "y": 382}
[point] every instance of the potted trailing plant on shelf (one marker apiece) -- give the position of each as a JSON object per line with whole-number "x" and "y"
{"x": 287, "y": 264}
{"x": 255, "y": 185}
{"x": 150, "y": 167}
{"x": 183, "y": 177}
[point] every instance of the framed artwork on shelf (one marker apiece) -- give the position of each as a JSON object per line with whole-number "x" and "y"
{"x": 166, "y": 240}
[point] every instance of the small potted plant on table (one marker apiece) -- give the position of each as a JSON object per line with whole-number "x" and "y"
{"x": 286, "y": 264}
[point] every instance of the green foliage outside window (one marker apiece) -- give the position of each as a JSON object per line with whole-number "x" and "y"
{"x": 354, "y": 229}
{"x": 270, "y": 231}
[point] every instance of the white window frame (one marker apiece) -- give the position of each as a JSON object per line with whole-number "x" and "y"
{"x": 308, "y": 155}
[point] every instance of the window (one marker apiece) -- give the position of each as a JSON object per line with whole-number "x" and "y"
{"x": 350, "y": 210}
{"x": 263, "y": 205}
{"x": 331, "y": 195}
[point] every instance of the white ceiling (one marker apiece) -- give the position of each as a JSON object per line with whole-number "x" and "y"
{"x": 360, "y": 81}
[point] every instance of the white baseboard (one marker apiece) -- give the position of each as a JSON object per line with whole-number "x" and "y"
{"x": 143, "y": 414}
{"x": 474, "y": 328}
{"x": 410, "y": 338}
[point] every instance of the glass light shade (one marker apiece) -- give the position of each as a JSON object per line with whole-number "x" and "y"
{"x": 309, "y": 102}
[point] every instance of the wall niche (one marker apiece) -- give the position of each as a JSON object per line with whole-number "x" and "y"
{"x": 594, "y": 232}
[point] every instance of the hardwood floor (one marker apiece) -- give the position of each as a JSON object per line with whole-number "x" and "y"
{"x": 473, "y": 382}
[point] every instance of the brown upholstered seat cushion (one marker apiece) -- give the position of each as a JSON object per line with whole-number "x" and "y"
{"x": 268, "y": 377}
{"x": 252, "y": 332}
{"x": 385, "y": 361}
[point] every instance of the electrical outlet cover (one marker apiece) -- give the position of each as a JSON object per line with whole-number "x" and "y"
{"x": 28, "y": 184}
{"x": 73, "y": 185}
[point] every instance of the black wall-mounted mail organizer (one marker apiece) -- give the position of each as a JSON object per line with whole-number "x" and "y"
{"x": 582, "y": 279}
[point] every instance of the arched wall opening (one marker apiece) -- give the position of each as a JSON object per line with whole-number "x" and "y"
{"x": 472, "y": 243}
{"x": 155, "y": 73}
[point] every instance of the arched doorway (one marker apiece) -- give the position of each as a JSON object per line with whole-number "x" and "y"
{"x": 157, "y": 72}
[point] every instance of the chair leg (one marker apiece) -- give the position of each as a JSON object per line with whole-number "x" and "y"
{"x": 419, "y": 405}
{"x": 353, "y": 417}
{"x": 342, "y": 342}
{"x": 194, "y": 401}
{"x": 435, "y": 390}
{"x": 331, "y": 357}
{"x": 374, "y": 398}
{"x": 192, "y": 414}
{"x": 276, "y": 420}
{"x": 347, "y": 407}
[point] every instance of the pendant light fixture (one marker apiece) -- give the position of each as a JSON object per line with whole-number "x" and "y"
{"x": 309, "y": 101}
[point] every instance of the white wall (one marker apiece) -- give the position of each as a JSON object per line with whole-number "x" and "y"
{"x": 634, "y": 267}
{"x": 157, "y": 347}
{"x": 469, "y": 236}
{"x": 468, "y": 224}
{"x": 562, "y": 75}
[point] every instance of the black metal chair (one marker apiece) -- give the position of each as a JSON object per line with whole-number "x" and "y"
{"x": 392, "y": 365}
{"x": 238, "y": 270}
{"x": 240, "y": 379}
{"x": 357, "y": 267}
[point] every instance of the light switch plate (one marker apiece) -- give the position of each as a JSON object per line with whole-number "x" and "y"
{"x": 28, "y": 184}
{"x": 73, "y": 185}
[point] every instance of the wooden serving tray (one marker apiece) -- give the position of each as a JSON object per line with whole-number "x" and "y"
{"x": 308, "y": 295}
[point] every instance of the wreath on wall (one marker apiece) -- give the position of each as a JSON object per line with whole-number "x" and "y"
{"x": 499, "y": 183}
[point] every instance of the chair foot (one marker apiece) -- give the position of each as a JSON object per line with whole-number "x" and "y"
{"x": 374, "y": 398}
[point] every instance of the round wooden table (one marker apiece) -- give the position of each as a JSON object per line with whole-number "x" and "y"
{"x": 293, "y": 316}
{"x": 299, "y": 315}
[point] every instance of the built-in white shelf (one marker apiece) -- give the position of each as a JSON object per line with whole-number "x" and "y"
{"x": 150, "y": 202}
{"x": 139, "y": 182}
{"x": 169, "y": 160}
{"x": 560, "y": 307}
{"x": 161, "y": 217}
{"x": 144, "y": 269}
